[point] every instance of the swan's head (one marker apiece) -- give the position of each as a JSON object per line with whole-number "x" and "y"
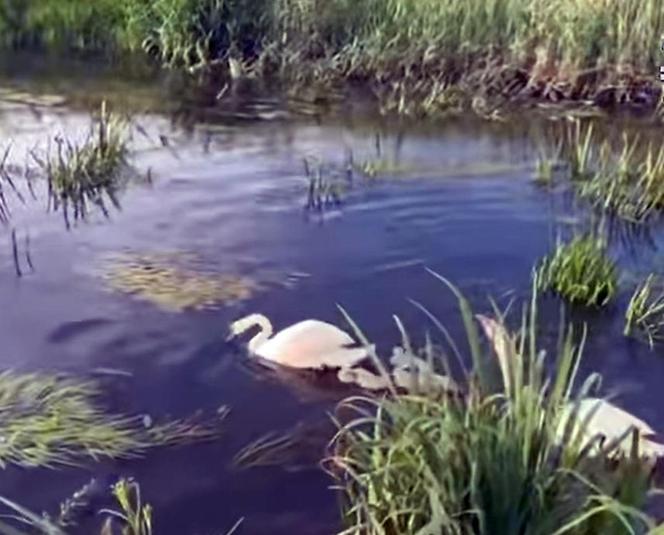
{"x": 244, "y": 324}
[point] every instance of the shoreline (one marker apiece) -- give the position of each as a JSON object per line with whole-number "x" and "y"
{"x": 418, "y": 58}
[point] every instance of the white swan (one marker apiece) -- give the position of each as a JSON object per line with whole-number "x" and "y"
{"x": 592, "y": 416}
{"x": 309, "y": 344}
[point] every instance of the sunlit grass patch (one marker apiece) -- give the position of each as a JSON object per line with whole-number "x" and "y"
{"x": 510, "y": 456}
{"x": 645, "y": 311}
{"x": 50, "y": 421}
{"x": 580, "y": 272}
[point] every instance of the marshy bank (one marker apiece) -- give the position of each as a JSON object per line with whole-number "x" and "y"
{"x": 424, "y": 57}
{"x": 254, "y": 206}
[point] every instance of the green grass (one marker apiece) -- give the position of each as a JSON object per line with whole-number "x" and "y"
{"x": 135, "y": 516}
{"x": 61, "y": 24}
{"x": 629, "y": 184}
{"x": 414, "y": 54}
{"x": 580, "y": 271}
{"x": 52, "y": 421}
{"x": 504, "y": 458}
{"x": 196, "y": 32}
{"x": 81, "y": 174}
{"x": 645, "y": 311}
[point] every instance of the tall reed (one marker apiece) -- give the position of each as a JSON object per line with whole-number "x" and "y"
{"x": 504, "y": 458}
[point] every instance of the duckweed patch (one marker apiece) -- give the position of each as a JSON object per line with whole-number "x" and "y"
{"x": 167, "y": 282}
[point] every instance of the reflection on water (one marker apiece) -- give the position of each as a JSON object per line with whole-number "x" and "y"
{"x": 229, "y": 187}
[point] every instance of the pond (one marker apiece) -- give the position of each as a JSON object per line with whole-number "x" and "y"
{"x": 226, "y": 205}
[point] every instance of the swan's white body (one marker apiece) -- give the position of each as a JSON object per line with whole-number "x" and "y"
{"x": 592, "y": 416}
{"x": 309, "y": 344}
{"x": 600, "y": 417}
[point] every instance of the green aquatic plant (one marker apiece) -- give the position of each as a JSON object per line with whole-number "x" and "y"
{"x": 579, "y": 271}
{"x": 135, "y": 516}
{"x": 80, "y": 174}
{"x": 645, "y": 310}
{"x": 581, "y": 152}
{"x": 53, "y": 420}
{"x": 505, "y": 458}
{"x": 629, "y": 185}
{"x": 544, "y": 171}
{"x": 40, "y": 524}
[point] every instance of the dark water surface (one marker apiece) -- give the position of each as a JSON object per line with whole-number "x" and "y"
{"x": 229, "y": 187}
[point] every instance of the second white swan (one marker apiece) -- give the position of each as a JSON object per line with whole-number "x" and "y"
{"x": 309, "y": 344}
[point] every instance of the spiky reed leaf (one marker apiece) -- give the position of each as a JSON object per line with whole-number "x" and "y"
{"x": 88, "y": 173}
{"x": 645, "y": 310}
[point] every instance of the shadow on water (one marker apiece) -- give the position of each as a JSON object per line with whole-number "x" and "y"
{"x": 228, "y": 201}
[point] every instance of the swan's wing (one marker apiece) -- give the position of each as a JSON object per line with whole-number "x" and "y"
{"x": 311, "y": 344}
{"x": 613, "y": 422}
{"x": 345, "y": 358}
{"x": 326, "y": 335}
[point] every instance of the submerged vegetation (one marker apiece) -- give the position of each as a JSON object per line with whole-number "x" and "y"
{"x": 415, "y": 55}
{"x": 50, "y": 421}
{"x": 167, "y": 281}
{"x": 579, "y": 271}
{"x": 514, "y": 455}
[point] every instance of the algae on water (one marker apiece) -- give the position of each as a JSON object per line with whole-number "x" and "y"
{"x": 170, "y": 282}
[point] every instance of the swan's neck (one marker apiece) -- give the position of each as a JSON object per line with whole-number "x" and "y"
{"x": 264, "y": 334}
